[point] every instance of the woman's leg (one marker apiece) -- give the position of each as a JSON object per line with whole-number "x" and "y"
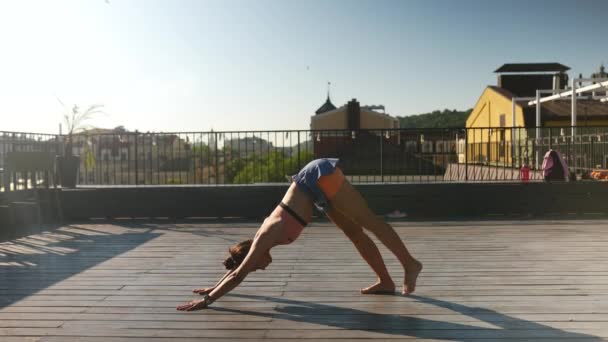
{"x": 351, "y": 204}
{"x": 368, "y": 250}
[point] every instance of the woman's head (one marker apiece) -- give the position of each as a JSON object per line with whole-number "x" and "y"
{"x": 238, "y": 253}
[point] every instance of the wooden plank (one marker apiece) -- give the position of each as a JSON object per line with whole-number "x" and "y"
{"x": 108, "y": 315}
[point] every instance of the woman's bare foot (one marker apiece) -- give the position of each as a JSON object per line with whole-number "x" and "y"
{"x": 411, "y": 275}
{"x": 381, "y": 287}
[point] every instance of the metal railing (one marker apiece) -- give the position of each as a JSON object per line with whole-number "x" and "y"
{"x": 24, "y": 142}
{"x": 367, "y": 156}
{"x": 254, "y": 157}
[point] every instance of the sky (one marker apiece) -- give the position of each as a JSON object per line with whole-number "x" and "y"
{"x": 197, "y": 65}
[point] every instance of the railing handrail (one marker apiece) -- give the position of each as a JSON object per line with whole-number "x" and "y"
{"x": 5, "y": 133}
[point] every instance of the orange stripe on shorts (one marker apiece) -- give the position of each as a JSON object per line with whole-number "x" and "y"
{"x": 330, "y": 184}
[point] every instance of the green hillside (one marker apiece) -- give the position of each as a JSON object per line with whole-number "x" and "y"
{"x": 436, "y": 119}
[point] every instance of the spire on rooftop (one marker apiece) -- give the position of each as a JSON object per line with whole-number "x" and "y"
{"x": 327, "y": 106}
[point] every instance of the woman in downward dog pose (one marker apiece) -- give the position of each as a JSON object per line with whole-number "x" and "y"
{"x": 320, "y": 183}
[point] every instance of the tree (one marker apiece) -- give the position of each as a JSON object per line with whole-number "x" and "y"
{"x": 273, "y": 167}
{"x": 436, "y": 119}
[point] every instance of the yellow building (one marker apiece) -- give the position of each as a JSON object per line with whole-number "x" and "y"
{"x": 489, "y": 127}
{"x": 491, "y": 136}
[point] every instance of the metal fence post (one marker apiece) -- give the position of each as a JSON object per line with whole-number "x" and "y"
{"x": 217, "y": 170}
{"x": 466, "y": 154}
{"x": 381, "y": 160}
{"x": 136, "y": 159}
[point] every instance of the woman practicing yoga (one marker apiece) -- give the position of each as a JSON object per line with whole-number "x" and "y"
{"x": 319, "y": 183}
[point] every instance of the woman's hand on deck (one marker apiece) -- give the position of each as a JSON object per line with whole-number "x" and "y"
{"x": 193, "y": 305}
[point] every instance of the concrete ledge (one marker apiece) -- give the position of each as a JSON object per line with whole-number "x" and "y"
{"x": 429, "y": 201}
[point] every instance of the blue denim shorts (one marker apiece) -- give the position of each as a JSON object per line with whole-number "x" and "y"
{"x": 308, "y": 176}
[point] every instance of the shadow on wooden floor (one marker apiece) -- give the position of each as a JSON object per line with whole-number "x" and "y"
{"x": 508, "y": 327}
{"x": 35, "y": 262}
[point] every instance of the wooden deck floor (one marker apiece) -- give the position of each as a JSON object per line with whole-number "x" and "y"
{"x": 483, "y": 281}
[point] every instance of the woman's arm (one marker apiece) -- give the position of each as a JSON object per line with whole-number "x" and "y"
{"x": 265, "y": 239}
{"x": 207, "y": 290}
{"x": 262, "y": 243}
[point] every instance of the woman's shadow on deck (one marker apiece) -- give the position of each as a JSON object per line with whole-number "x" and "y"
{"x": 507, "y": 327}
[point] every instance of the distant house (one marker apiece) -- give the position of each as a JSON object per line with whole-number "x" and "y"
{"x": 368, "y": 141}
{"x": 112, "y": 155}
{"x": 244, "y": 147}
{"x": 351, "y": 116}
{"x": 601, "y": 73}
{"x": 336, "y": 129}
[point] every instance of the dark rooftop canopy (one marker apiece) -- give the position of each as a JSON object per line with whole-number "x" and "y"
{"x": 326, "y": 107}
{"x": 532, "y": 67}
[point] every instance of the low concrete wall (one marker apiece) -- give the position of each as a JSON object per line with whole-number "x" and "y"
{"x": 428, "y": 201}
{"x": 171, "y": 202}
{"x": 21, "y": 214}
{"x": 478, "y": 200}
